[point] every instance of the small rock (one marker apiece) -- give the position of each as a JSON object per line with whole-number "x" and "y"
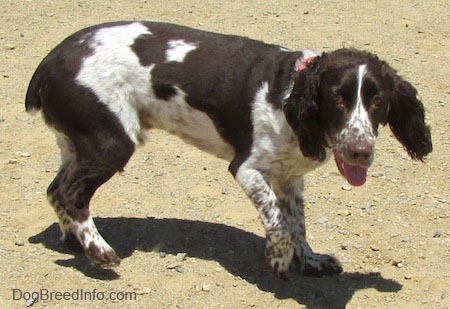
{"x": 324, "y": 176}
{"x": 13, "y": 161}
{"x": 30, "y": 301}
{"x": 374, "y": 248}
{"x": 346, "y": 187}
{"x": 322, "y": 220}
{"x": 25, "y": 154}
{"x": 162, "y": 254}
{"x": 357, "y": 246}
{"x": 437, "y": 234}
{"x": 345, "y": 213}
{"x": 407, "y": 239}
{"x": 172, "y": 266}
{"x": 179, "y": 269}
{"x": 399, "y": 264}
{"x": 377, "y": 175}
{"x": 225, "y": 191}
{"x": 181, "y": 256}
{"x": 19, "y": 243}
{"x": 144, "y": 291}
{"x": 343, "y": 232}
{"x": 344, "y": 246}
{"x": 407, "y": 276}
{"x": 204, "y": 287}
{"x": 10, "y": 47}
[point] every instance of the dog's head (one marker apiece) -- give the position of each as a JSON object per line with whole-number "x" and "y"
{"x": 339, "y": 99}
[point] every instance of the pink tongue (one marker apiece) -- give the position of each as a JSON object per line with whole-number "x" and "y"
{"x": 355, "y": 175}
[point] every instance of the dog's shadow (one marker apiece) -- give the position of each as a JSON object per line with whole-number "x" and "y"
{"x": 238, "y": 251}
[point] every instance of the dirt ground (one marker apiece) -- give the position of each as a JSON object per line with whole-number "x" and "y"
{"x": 188, "y": 236}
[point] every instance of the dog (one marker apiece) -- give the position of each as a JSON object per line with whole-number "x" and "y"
{"x": 272, "y": 113}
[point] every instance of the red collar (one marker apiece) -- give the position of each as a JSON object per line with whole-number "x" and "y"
{"x": 305, "y": 63}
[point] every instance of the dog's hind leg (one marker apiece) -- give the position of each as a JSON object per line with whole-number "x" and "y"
{"x": 88, "y": 161}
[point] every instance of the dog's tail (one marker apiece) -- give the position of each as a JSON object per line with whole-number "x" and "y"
{"x": 33, "y": 99}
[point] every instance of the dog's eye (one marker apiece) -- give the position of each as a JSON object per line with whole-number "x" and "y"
{"x": 376, "y": 100}
{"x": 337, "y": 98}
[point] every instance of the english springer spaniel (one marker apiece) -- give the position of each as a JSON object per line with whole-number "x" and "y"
{"x": 273, "y": 113}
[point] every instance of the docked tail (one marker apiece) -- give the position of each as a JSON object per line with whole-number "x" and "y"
{"x": 33, "y": 96}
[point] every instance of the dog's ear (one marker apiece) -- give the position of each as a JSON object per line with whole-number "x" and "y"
{"x": 406, "y": 119}
{"x": 302, "y": 111}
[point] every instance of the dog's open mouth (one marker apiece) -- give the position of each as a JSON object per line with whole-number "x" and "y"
{"x": 356, "y": 175}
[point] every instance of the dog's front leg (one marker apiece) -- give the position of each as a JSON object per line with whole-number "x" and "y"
{"x": 279, "y": 249}
{"x": 290, "y": 196}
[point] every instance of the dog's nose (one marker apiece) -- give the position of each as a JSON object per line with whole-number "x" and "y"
{"x": 360, "y": 151}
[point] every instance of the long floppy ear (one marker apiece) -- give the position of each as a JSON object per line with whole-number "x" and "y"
{"x": 406, "y": 120}
{"x": 302, "y": 111}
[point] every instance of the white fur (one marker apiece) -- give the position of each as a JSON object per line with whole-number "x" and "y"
{"x": 195, "y": 127}
{"x": 114, "y": 74}
{"x": 86, "y": 232}
{"x": 358, "y": 126}
{"x": 274, "y": 141}
{"x": 308, "y": 53}
{"x": 359, "y": 118}
{"x": 178, "y": 50}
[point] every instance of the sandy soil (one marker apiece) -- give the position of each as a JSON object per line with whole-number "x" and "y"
{"x": 392, "y": 235}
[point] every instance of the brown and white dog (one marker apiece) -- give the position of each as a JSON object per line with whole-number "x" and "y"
{"x": 274, "y": 114}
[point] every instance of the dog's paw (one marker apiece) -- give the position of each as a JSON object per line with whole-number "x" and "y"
{"x": 278, "y": 260}
{"x": 102, "y": 256}
{"x": 319, "y": 265}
